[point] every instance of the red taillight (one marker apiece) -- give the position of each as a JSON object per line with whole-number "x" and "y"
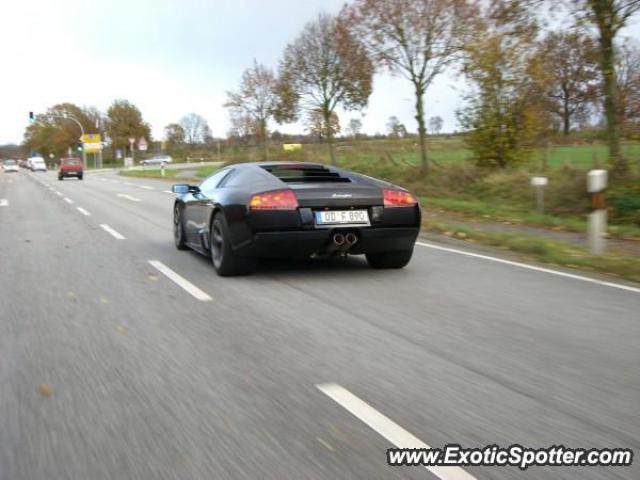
{"x": 276, "y": 200}
{"x": 398, "y": 198}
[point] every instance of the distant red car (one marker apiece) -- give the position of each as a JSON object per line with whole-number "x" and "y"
{"x": 70, "y": 167}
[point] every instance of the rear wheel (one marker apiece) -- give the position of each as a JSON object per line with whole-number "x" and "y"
{"x": 60, "y": 177}
{"x": 80, "y": 177}
{"x": 178, "y": 229}
{"x": 397, "y": 259}
{"x": 225, "y": 261}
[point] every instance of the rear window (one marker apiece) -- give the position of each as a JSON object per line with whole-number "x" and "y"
{"x": 305, "y": 174}
{"x": 71, "y": 161}
{"x": 10, "y": 162}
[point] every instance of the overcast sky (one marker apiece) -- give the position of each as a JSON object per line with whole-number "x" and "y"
{"x": 168, "y": 57}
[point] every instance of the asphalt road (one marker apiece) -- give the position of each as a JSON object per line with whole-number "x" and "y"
{"x": 109, "y": 369}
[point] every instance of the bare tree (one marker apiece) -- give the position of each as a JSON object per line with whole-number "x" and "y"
{"x": 323, "y": 68}
{"x": 257, "y": 99}
{"x": 396, "y": 128}
{"x": 317, "y": 126}
{"x": 435, "y": 124}
{"x": 417, "y": 39}
{"x": 609, "y": 17}
{"x": 628, "y": 80}
{"x": 355, "y": 126}
{"x": 195, "y": 128}
{"x": 569, "y": 62}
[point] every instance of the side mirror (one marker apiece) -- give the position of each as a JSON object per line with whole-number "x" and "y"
{"x": 182, "y": 188}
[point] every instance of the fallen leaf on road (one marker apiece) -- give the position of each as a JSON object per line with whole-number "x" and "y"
{"x": 45, "y": 390}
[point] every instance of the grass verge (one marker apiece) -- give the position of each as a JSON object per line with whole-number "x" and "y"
{"x": 547, "y": 251}
{"x": 507, "y": 213}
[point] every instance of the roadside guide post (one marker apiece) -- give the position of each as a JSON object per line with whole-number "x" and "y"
{"x": 51, "y": 157}
{"x": 597, "y": 219}
{"x": 539, "y": 183}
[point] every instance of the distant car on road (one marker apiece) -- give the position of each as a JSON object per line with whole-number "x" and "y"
{"x": 36, "y": 164}
{"x": 10, "y": 166}
{"x": 70, "y": 167}
{"x": 281, "y": 209}
{"x": 23, "y": 163}
{"x": 157, "y": 160}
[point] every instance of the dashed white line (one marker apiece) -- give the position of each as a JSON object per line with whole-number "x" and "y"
{"x": 84, "y": 212}
{"x": 390, "y": 430}
{"x": 532, "y": 267}
{"x": 180, "y": 281}
{"x": 146, "y": 187}
{"x": 57, "y": 193}
{"x": 68, "y": 200}
{"x": 4, "y": 202}
{"x": 167, "y": 191}
{"x": 128, "y": 197}
{"x": 113, "y": 232}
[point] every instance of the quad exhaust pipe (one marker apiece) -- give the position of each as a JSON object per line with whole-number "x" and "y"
{"x": 341, "y": 243}
{"x": 350, "y": 238}
{"x": 338, "y": 239}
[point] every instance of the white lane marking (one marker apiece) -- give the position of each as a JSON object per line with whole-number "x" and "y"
{"x": 181, "y": 281}
{"x": 146, "y": 187}
{"x": 532, "y": 267}
{"x": 57, "y": 193}
{"x": 386, "y": 427}
{"x": 128, "y": 197}
{"x": 68, "y": 200}
{"x": 4, "y": 202}
{"x": 168, "y": 191}
{"x": 113, "y": 232}
{"x": 84, "y": 212}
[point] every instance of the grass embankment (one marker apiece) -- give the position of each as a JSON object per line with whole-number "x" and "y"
{"x": 171, "y": 174}
{"x": 485, "y": 211}
{"x": 547, "y": 251}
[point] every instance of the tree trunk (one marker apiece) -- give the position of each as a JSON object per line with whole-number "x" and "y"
{"x": 422, "y": 130}
{"x": 265, "y": 146}
{"x": 566, "y": 118}
{"x": 329, "y": 134}
{"x": 607, "y": 60}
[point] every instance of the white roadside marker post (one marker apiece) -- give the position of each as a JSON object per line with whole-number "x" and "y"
{"x": 539, "y": 183}
{"x": 597, "y": 219}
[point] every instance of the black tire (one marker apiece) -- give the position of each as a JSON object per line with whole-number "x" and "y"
{"x": 60, "y": 177}
{"x": 178, "y": 229}
{"x": 397, "y": 259}
{"x": 225, "y": 261}
{"x": 79, "y": 177}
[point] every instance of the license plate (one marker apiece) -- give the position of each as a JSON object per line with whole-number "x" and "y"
{"x": 339, "y": 217}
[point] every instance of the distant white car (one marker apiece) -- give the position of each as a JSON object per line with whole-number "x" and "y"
{"x": 37, "y": 164}
{"x": 10, "y": 166}
{"x": 157, "y": 160}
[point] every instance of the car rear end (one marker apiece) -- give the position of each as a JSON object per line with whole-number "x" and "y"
{"x": 10, "y": 166}
{"x": 38, "y": 165}
{"x": 324, "y": 211}
{"x": 70, "y": 167}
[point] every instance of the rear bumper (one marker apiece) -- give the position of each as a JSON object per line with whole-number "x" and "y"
{"x": 304, "y": 243}
{"x": 70, "y": 173}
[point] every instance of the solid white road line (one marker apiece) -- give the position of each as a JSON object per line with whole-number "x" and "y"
{"x": 531, "y": 267}
{"x": 110, "y": 230}
{"x": 68, "y": 200}
{"x": 128, "y": 197}
{"x": 386, "y": 427}
{"x": 84, "y": 212}
{"x": 4, "y": 202}
{"x": 181, "y": 281}
{"x": 146, "y": 187}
